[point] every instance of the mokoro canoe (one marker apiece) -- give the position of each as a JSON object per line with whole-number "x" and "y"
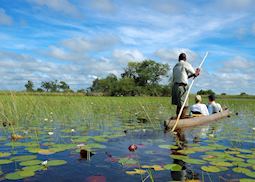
{"x": 196, "y": 121}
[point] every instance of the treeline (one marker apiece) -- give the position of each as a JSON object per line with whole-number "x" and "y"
{"x": 51, "y": 86}
{"x": 138, "y": 78}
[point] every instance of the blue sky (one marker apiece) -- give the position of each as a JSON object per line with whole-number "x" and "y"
{"x": 78, "y": 41}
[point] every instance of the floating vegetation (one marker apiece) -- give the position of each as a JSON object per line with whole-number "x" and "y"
{"x": 173, "y": 167}
{"x": 168, "y": 146}
{"x": 126, "y": 161}
{"x": 155, "y": 167}
{"x": 5, "y": 161}
{"x": 56, "y": 163}
{"x": 22, "y": 158}
{"x": 211, "y": 169}
{"x": 136, "y": 171}
{"x": 4, "y": 154}
{"x": 30, "y": 163}
{"x": 19, "y": 175}
{"x": 34, "y": 168}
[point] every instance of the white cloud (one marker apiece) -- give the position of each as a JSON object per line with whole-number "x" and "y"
{"x": 103, "y": 5}
{"x": 63, "y": 6}
{"x": 82, "y": 44}
{"x": 125, "y": 56}
{"x": 236, "y": 4}
{"x": 171, "y": 55}
{"x": 4, "y": 18}
{"x": 236, "y": 76}
{"x": 253, "y": 29}
{"x": 16, "y": 69}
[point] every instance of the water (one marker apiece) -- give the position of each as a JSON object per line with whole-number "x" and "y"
{"x": 113, "y": 128}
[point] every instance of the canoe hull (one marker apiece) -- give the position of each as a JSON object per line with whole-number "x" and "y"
{"x": 196, "y": 121}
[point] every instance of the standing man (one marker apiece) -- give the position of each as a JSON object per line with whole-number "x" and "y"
{"x": 182, "y": 71}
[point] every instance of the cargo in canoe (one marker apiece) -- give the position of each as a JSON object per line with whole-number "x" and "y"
{"x": 196, "y": 121}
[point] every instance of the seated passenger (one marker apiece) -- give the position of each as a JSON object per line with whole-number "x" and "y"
{"x": 212, "y": 106}
{"x": 199, "y": 108}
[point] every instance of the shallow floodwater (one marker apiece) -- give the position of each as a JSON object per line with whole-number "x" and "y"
{"x": 221, "y": 151}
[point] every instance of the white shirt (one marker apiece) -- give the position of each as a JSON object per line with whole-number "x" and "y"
{"x": 199, "y": 108}
{"x": 214, "y": 107}
{"x": 181, "y": 71}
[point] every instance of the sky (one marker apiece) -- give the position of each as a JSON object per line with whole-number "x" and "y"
{"x": 79, "y": 40}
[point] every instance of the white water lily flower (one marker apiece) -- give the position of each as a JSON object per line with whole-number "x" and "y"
{"x": 44, "y": 163}
{"x": 253, "y": 129}
{"x": 50, "y": 133}
{"x": 81, "y": 145}
{"x": 144, "y": 130}
{"x": 72, "y": 130}
{"x": 46, "y": 119}
{"x": 211, "y": 135}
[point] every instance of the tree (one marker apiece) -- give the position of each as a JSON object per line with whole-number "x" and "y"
{"x": 29, "y": 86}
{"x": 206, "y": 92}
{"x": 106, "y": 85}
{"x": 139, "y": 78}
{"x": 243, "y": 93}
{"x": 145, "y": 73}
{"x": 83, "y": 91}
{"x": 125, "y": 86}
{"x": 54, "y": 86}
{"x": 64, "y": 86}
{"x": 39, "y": 90}
{"x": 46, "y": 85}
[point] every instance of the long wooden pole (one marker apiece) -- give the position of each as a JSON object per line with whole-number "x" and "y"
{"x": 186, "y": 98}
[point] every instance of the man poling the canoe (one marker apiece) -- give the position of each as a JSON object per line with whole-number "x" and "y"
{"x": 180, "y": 90}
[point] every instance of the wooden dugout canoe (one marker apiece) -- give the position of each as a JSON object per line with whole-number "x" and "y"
{"x": 196, "y": 121}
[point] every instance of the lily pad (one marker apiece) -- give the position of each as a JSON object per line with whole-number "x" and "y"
{"x": 173, "y": 167}
{"x": 4, "y": 154}
{"x": 240, "y": 170}
{"x": 34, "y": 168}
{"x": 194, "y": 161}
{"x": 246, "y": 156}
{"x": 22, "y": 158}
{"x": 30, "y": 163}
{"x": 250, "y": 173}
{"x": 99, "y": 138}
{"x": 168, "y": 146}
{"x": 56, "y": 162}
{"x": 19, "y": 175}
{"x": 46, "y": 151}
{"x": 232, "y": 152}
{"x": 5, "y": 161}
{"x": 136, "y": 171}
{"x": 128, "y": 161}
{"x": 247, "y": 180}
{"x": 223, "y": 164}
{"x": 155, "y": 167}
{"x": 251, "y": 161}
{"x": 95, "y": 145}
{"x": 210, "y": 169}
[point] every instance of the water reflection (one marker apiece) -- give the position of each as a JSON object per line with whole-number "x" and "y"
{"x": 185, "y": 173}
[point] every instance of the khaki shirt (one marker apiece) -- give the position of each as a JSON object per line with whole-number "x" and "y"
{"x": 181, "y": 71}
